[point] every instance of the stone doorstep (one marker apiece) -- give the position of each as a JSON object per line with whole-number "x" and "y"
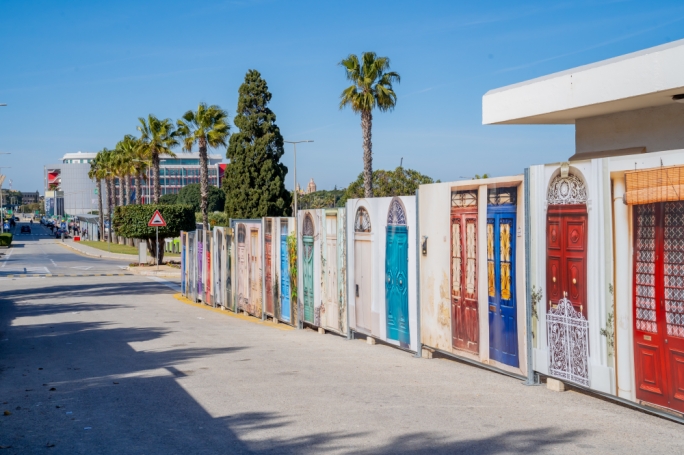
{"x": 555, "y": 385}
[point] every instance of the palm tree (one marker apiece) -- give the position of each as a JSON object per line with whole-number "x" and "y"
{"x": 140, "y": 163}
{"x": 158, "y": 138}
{"x": 207, "y": 127}
{"x": 371, "y": 88}
{"x": 108, "y": 172}
{"x": 127, "y": 152}
{"x": 97, "y": 173}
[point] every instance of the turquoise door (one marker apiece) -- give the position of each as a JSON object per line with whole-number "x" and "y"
{"x": 503, "y": 327}
{"x": 396, "y": 275}
{"x": 284, "y": 280}
{"x": 307, "y": 259}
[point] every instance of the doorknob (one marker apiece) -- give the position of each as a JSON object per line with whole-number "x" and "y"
{"x": 554, "y": 279}
{"x": 574, "y": 281}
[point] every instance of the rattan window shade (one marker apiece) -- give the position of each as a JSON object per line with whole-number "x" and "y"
{"x": 655, "y": 185}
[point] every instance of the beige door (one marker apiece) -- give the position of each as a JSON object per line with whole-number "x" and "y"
{"x": 254, "y": 273}
{"x": 332, "y": 312}
{"x": 362, "y": 281}
{"x": 243, "y": 269}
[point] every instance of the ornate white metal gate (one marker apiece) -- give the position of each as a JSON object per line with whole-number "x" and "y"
{"x": 568, "y": 339}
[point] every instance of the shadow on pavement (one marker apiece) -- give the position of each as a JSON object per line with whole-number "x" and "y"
{"x": 83, "y": 387}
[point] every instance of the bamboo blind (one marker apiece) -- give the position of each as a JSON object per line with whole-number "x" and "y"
{"x": 654, "y": 185}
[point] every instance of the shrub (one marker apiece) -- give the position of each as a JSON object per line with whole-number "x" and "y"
{"x": 131, "y": 221}
{"x": 6, "y": 239}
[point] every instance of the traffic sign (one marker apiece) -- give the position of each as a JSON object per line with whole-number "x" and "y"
{"x": 157, "y": 220}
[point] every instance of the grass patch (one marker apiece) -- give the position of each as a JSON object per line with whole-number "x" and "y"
{"x": 116, "y": 248}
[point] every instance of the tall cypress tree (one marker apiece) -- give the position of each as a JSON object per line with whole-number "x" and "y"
{"x": 254, "y": 180}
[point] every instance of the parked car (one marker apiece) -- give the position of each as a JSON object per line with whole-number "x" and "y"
{"x": 26, "y": 229}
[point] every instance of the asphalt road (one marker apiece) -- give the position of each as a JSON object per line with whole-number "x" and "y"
{"x": 118, "y": 365}
{"x": 40, "y": 253}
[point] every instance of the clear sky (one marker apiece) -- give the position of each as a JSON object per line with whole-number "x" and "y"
{"x": 76, "y": 75}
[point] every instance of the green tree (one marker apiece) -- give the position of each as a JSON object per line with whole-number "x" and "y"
{"x": 97, "y": 172}
{"x": 131, "y": 221}
{"x": 192, "y": 195}
{"x": 206, "y": 127}
{"x": 371, "y": 88}
{"x": 319, "y": 199}
{"x": 168, "y": 199}
{"x": 254, "y": 180}
{"x": 399, "y": 182}
{"x": 157, "y": 137}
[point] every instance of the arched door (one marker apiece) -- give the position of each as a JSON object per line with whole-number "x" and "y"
{"x": 268, "y": 254}
{"x": 242, "y": 271}
{"x": 307, "y": 259}
{"x": 284, "y": 273}
{"x": 396, "y": 274}
{"x": 465, "y": 325}
{"x": 362, "y": 270}
{"x": 566, "y": 278}
{"x": 332, "y": 313}
{"x": 254, "y": 272}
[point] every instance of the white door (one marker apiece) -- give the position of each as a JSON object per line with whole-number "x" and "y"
{"x": 362, "y": 282}
{"x": 332, "y": 311}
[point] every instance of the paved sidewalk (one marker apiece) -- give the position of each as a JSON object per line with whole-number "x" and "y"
{"x": 118, "y": 365}
{"x": 95, "y": 252}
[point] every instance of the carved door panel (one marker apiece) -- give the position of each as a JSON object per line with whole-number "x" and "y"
{"x": 566, "y": 255}
{"x": 332, "y": 316}
{"x": 503, "y": 332}
{"x": 284, "y": 275}
{"x": 268, "y": 252}
{"x": 464, "y": 307}
{"x": 659, "y": 303}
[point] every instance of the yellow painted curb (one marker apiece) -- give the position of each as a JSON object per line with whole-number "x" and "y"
{"x": 243, "y": 317}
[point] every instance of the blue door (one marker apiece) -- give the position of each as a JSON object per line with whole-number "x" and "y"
{"x": 307, "y": 257}
{"x": 396, "y": 275}
{"x": 284, "y": 280}
{"x": 503, "y": 328}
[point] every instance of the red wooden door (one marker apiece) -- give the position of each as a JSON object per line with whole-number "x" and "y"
{"x": 566, "y": 255}
{"x": 464, "y": 314}
{"x": 267, "y": 265}
{"x": 659, "y": 303}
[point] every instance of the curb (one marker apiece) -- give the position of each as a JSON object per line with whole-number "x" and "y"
{"x": 251, "y": 319}
{"x": 120, "y": 256}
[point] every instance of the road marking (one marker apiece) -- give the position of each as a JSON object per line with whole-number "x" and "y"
{"x": 82, "y": 267}
{"x": 167, "y": 283}
{"x": 53, "y": 263}
{"x": 4, "y": 260}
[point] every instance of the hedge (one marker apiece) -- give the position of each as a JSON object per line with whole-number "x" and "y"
{"x": 6, "y": 239}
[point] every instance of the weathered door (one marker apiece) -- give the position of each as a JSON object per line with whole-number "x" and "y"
{"x": 566, "y": 253}
{"x": 284, "y": 275}
{"x": 362, "y": 271}
{"x": 503, "y": 331}
{"x": 268, "y": 248}
{"x": 396, "y": 275}
{"x": 208, "y": 287}
{"x": 243, "y": 269}
{"x": 659, "y": 303}
{"x": 200, "y": 262}
{"x": 332, "y": 308}
{"x": 307, "y": 259}
{"x": 254, "y": 273}
{"x": 464, "y": 313}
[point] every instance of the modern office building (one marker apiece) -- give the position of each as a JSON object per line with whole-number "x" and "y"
{"x": 70, "y": 179}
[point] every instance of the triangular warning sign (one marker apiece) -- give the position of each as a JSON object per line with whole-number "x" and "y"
{"x": 157, "y": 220}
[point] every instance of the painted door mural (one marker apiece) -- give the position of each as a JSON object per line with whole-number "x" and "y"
{"x": 362, "y": 270}
{"x": 396, "y": 274}
{"x": 659, "y": 303}
{"x": 464, "y": 313}
{"x": 268, "y": 251}
{"x": 284, "y": 274}
{"x": 254, "y": 305}
{"x": 501, "y": 228}
{"x": 242, "y": 271}
{"x": 332, "y": 313}
{"x": 566, "y": 278}
{"x": 308, "y": 275}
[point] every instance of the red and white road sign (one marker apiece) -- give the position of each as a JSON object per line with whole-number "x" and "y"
{"x": 157, "y": 220}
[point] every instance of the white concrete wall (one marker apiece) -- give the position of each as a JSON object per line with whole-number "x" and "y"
{"x": 656, "y": 128}
{"x": 599, "y": 268}
{"x": 377, "y": 209}
{"x": 435, "y": 268}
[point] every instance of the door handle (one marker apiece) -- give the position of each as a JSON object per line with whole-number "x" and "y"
{"x": 574, "y": 281}
{"x": 357, "y": 290}
{"x": 554, "y": 279}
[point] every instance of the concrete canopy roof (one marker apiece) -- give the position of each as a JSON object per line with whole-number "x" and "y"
{"x": 638, "y": 80}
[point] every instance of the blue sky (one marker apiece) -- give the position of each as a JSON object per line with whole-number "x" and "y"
{"x": 76, "y": 75}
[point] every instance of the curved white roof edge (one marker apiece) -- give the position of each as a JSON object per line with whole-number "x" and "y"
{"x": 646, "y": 78}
